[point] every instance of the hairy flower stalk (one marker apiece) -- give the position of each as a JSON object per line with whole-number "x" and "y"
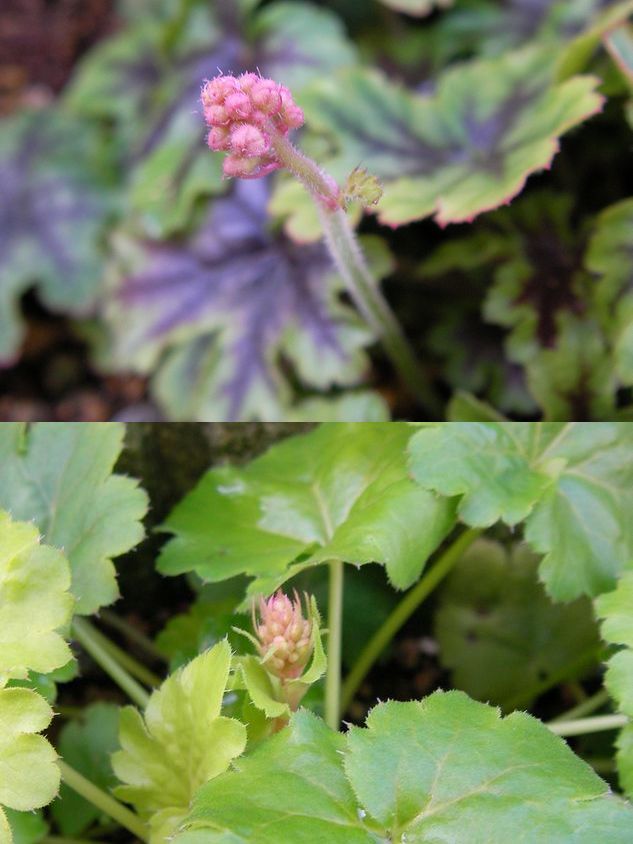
{"x": 250, "y": 118}
{"x": 284, "y": 636}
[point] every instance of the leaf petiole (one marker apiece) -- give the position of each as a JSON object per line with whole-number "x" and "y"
{"x": 105, "y": 802}
{"x": 403, "y": 611}
{"x": 335, "y": 630}
{"x": 582, "y": 726}
{"x": 92, "y": 642}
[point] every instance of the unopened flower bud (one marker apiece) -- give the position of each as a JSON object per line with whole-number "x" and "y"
{"x": 238, "y": 105}
{"x": 284, "y": 635}
{"x": 248, "y": 140}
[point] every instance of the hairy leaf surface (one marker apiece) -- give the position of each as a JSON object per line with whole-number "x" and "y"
{"x": 179, "y": 743}
{"x": 35, "y": 603}
{"x": 297, "y": 791}
{"x": 571, "y": 484}
{"x": 341, "y": 491}
{"x": 60, "y": 476}
{"x": 443, "y": 769}
{"x": 29, "y": 776}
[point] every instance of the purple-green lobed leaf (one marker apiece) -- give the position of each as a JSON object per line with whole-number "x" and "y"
{"x": 226, "y": 308}
{"x": 465, "y": 149}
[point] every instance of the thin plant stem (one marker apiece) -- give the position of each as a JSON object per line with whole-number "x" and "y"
{"x": 582, "y": 726}
{"x": 585, "y": 707}
{"x": 131, "y": 665}
{"x": 335, "y": 627}
{"x": 105, "y": 802}
{"x": 130, "y": 632}
{"x": 403, "y": 611}
{"x": 84, "y": 633}
{"x": 350, "y": 262}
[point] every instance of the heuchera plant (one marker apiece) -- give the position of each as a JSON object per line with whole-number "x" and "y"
{"x": 221, "y": 731}
{"x": 250, "y": 119}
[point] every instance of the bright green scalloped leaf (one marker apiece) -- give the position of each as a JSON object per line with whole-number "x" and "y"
{"x": 35, "y": 603}
{"x": 60, "y": 476}
{"x": 26, "y": 827}
{"x": 610, "y": 257}
{"x": 571, "y": 483}
{"x": 498, "y": 631}
{"x": 616, "y": 610}
{"x": 465, "y": 149}
{"x": 444, "y": 769}
{"x": 450, "y": 769}
{"x": 29, "y": 775}
{"x": 86, "y": 745}
{"x": 341, "y": 491}
{"x": 179, "y": 744}
{"x": 297, "y": 791}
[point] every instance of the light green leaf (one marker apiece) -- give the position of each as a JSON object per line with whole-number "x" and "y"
{"x": 29, "y": 776}
{"x": 86, "y": 745}
{"x": 445, "y": 769}
{"x": 297, "y": 792}
{"x": 499, "y": 632}
{"x": 341, "y": 491}
{"x": 450, "y": 769}
{"x": 179, "y": 744}
{"x": 467, "y": 148}
{"x": 60, "y": 476}
{"x": 34, "y": 602}
{"x": 616, "y": 608}
{"x": 572, "y": 484}
{"x": 26, "y": 827}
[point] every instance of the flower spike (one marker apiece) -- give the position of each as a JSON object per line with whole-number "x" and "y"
{"x": 245, "y": 114}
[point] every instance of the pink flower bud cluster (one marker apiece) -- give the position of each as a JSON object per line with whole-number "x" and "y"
{"x": 284, "y": 635}
{"x": 244, "y": 112}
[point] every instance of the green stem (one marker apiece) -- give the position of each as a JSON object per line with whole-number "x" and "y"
{"x": 131, "y": 665}
{"x": 90, "y": 792}
{"x": 585, "y": 707}
{"x": 130, "y": 632}
{"x": 84, "y": 632}
{"x": 403, "y": 611}
{"x": 335, "y": 627}
{"x": 581, "y": 726}
{"x": 350, "y": 262}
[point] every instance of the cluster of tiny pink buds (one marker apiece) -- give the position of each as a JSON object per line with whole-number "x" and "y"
{"x": 284, "y": 635}
{"x": 244, "y": 113}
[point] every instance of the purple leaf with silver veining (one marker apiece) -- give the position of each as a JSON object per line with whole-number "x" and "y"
{"x": 51, "y": 215}
{"x": 251, "y": 308}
